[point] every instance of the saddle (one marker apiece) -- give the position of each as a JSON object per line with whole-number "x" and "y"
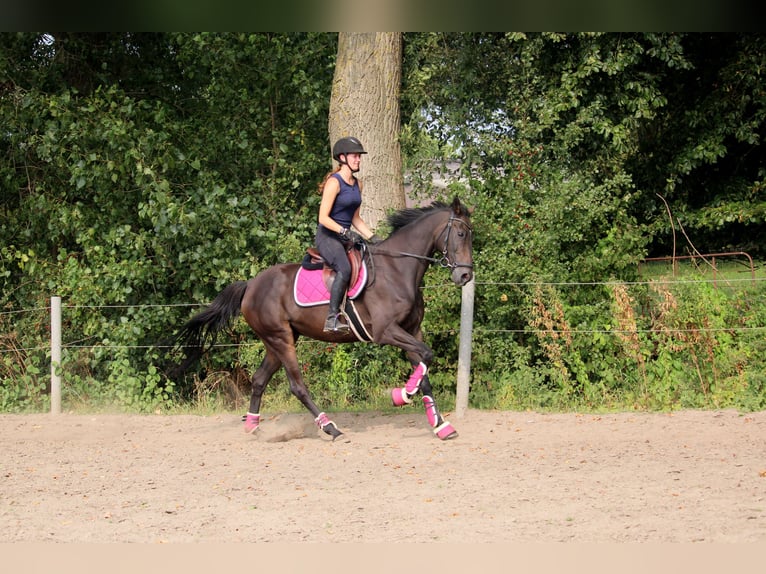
{"x": 313, "y": 260}
{"x": 314, "y": 278}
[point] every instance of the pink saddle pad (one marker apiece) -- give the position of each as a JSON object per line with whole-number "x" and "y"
{"x": 309, "y": 288}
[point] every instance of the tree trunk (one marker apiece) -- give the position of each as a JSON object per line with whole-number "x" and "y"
{"x": 365, "y": 104}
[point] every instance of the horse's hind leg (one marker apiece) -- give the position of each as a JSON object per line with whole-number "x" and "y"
{"x": 299, "y": 389}
{"x": 301, "y": 392}
{"x": 259, "y": 380}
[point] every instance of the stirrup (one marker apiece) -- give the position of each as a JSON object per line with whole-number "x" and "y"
{"x": 334, "y": 324}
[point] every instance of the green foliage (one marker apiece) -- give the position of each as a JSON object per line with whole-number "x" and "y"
{"x": 656, "y": 345}
{"x": 589, "y": 129}
{"x": 352, "y": 376}
{"x": 138, "y": 390}
{"x": 141, "y": 170}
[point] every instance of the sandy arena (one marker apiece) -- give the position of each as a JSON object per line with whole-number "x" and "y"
{"x": 688, "y": 476}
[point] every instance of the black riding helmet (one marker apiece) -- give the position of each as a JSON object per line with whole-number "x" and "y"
{"x": 345, "y": 146}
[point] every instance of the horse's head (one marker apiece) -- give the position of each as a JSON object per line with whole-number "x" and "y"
{"x": 448, "y": 230}
{"x": 457, "y": 250}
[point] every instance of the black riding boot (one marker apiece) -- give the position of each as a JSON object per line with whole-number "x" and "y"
{"x": 335, "y": 322}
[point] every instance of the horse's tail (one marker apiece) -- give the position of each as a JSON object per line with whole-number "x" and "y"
{"x": 199, "y": 334}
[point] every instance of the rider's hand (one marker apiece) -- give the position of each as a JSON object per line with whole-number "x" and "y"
{"x": 350, "y": 237}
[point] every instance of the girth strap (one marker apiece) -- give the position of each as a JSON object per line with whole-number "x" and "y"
{"x": 357, "y": 327}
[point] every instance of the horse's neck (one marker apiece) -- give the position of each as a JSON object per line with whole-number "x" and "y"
{"x": 419, "y": 244}
{"x": 422, "y": 244}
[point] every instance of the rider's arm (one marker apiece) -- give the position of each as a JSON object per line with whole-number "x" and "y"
{"x": 329, "y": 193}
{"x": 361, "y": 226}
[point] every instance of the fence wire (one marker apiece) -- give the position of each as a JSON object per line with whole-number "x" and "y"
{"x": 477, "y": 330}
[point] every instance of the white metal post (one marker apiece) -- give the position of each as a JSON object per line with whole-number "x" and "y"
{"x": 55, "y": 355}
{"x": 464, "y": 351}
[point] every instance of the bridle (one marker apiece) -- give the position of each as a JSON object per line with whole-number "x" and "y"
{"x": 444, "y": 260}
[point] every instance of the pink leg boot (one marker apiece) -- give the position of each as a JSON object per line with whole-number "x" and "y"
{"x": 443, "y": 429}
{"x": 431, "y": 412}
{"x": 403, "y": 396}
{"x": 252, "y": 421}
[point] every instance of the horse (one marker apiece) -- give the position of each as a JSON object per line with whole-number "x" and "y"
{"x": 389, "y": 310}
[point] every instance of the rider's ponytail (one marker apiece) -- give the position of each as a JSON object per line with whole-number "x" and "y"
{"x": 326, "y": 177}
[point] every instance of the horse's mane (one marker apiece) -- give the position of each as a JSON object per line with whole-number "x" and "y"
{"x": 403, "y": 217}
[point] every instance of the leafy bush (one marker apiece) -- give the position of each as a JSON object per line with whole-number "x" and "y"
{"x": 656, "y": 345}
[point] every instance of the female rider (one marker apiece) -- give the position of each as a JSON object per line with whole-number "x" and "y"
{"x": 338, "y": 211}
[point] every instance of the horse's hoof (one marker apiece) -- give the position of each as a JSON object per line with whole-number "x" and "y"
{"x": 332, "y": 430}
{"x": 329, "y": 427}
{"x": 445, "y": 431}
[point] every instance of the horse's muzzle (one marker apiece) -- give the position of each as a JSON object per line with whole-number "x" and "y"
{"x": 462, "y": 275}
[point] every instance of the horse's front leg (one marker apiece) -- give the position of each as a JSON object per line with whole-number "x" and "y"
{"x": 420, "y": 356}
{"x": 419, "y": 382}
{"x": 401, "y": 396}
{"x": 441, "y": 427}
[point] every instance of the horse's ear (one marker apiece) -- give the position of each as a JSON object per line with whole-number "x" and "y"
{"x": 459, "y": 209}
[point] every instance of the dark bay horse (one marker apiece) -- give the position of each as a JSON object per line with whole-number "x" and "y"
{"x": 390, "y": 308}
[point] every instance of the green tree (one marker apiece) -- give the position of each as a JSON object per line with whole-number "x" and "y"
{"x": 590, "y": 128}
{"x": 365, "y": 103}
